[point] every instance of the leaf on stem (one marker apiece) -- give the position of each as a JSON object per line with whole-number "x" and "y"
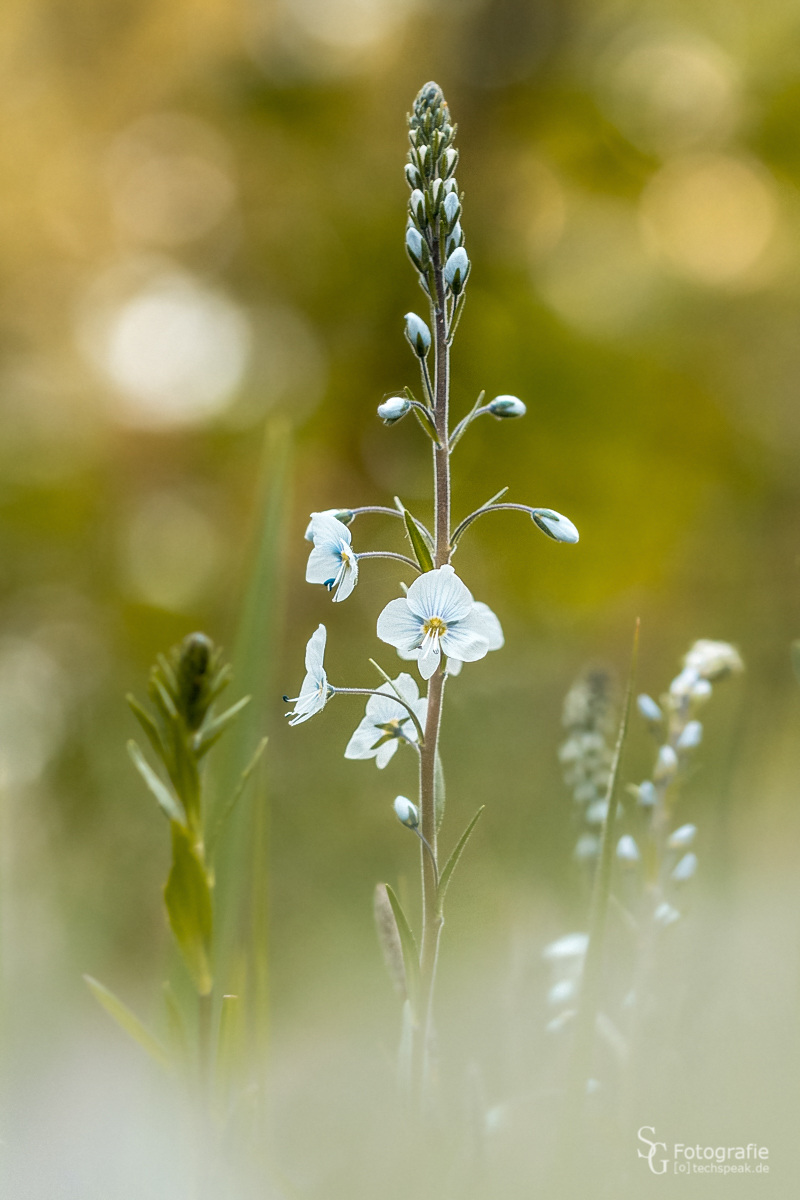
{"x": 438, "y": 790}
{"x": 214, "y": 835}
{"x": 410, "y": 952}
{"x": 452, "y": 861}
{"x": 389, "y": 940}
{"x": 188, "y": 899}
{"x": 214, "y": 730}
{"x": 148, "y": 725}
{"x": 128, "y": 1021}
{"x": 418, "y": 543}
{"x": 163, "y": 795}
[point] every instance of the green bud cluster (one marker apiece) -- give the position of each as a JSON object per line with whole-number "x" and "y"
{"x": 434, "y": 237}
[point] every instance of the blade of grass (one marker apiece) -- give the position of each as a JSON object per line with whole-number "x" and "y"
{"x": 128, "y": 1021}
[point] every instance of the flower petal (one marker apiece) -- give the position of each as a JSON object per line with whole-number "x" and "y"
{"x": 362, "y": 742}
{"x": 398, "y": 626}
{"x": 315, "y": 650}
{"x": 385, "y": 752}
{"x": 326, "y": 529}
{"x": 440, "y": 593}
{"x": 324, "y": 565}
{"x": 484, "y": 621}
{"x": 462, "y": 641}
{"x": 429, "y": 656}
{"x": 348, "y": 581}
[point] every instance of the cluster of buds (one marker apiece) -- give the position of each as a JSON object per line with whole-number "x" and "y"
{"x": 586, "y": 754}
{"x": 675, "y": 725}
{"x": 434, "y": 237}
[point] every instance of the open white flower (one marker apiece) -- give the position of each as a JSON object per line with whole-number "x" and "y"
{"x": 332, "y": 562}
{"x": 316, "y": 691}
{"x": 386, "y": 723}
{"x": 492, "y": 631}
{"x": 437, "y": 615}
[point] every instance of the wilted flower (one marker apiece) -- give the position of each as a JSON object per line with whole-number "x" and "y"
{"x": 316, "y": 691}
{"x": 438, "y": 614}
{"x": 332, "y": 562}
{"x": 393, "y": 409}
{"x": 387, "y": 723}
{"x": 556, "y": 526}
{"x": 507, "y": 406}
{"x": 407, "y": 813}
{"x": 418, "y": 334}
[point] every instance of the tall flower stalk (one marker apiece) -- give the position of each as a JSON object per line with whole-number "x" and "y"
{"x": 437, "y": 623}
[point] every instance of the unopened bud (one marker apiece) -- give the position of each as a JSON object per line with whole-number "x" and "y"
{"x": 627, "y": 850}
{"x": 665, "y": 914}
{"x": 450, "y": 161}
{"x": 414, "y": 244}
{"x": 691, "y": 736}
{"x": 418, "y": 334}
{"x": 452, "y": 206}
{"x": 393, "y": 410}
{"x": 685, "y": 868}
{"x": 648, "y": 708}
{"x": 456, "y": 270}
{"x": 507, "y": 406}
{"x": 453, "y": 238}
{"x": 451, "y": 185}
{"x": 683, "y": 837}
{"x": 647, "y": 794}
{"x": 407, "y": 813}
{"x": 417, "y": 204}
{"x": 557, "y": 527}
{"x": 413, "y": 177}
{"x": 666, "y": 765}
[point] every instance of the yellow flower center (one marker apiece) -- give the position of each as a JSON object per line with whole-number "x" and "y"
{"x": 435, "y": 625}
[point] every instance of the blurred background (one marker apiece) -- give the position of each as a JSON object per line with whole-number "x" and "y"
{"x": 202, "y": 283}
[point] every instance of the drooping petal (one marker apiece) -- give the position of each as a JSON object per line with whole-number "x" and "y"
{"x": 430, "y": 655}
{"x": 384, "y": 753}
{"x": 398, "y": 626}
{"x": 440, "y": 593}
{"x": 348, "y": 580}
{"x": 324, "y": 564}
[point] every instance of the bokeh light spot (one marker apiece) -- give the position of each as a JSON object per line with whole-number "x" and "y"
{"x": 171, "y": 550}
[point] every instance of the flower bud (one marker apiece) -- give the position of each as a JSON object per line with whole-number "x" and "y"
{"x": 417, "y": 204}
{"x": 450, "y": 185}
{"x": 407, "y": 813}
{"x": 418, "y": 334}
{"x": 586, "y": 847}
{"x": 701, "y": 691}
{"x": 507, "y": 406}
{"x": 414, "y": 245}
{"x": 559, "y": 528}
{"x": 713, "y": 660}
{"x": 666, "y": 765}
{"x": 648, "y": 708}
{"x": 685, "y": 868}
{"x": 647, "y": 794}
{"x": 393, "y": 410}
{"x": 683, "y": 684}
{"x": 665, "y": 914}
{"x": 453, "y": 238}
{"x": 413, "y": 177}
{"x": 437, "y": 191}
{"x": 627, "y": 850}
{"x": 691, "y": 736}
{"x": 456, "y": 270}
{"x": 452, "y": 207}
{"x": 682, "y": 837}
{"x": 450, "y": 161}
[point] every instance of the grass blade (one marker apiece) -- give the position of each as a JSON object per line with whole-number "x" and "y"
{"x": 163, "y": 795}
{"x": 128, "y": 1021}
{"x": 452, "y": 862}
{"x": 410, "y": 952}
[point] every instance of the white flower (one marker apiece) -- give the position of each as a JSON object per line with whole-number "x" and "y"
{"x": 682, "y": 837}
{"x": 387, "y": 723}
{"x": 316, "y": 691}
{"x": 491, "y": 629}
{"x": 345, "y": 515}
{"x": 407, "y": 813}
{"x": 332, "y": 561}
{"x": 438, "y": 614}
{"x": 713, "y": 660}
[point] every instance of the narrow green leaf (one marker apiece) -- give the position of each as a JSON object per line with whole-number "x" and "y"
{"x": 389, "y": 940}
{"x": 148, "y": 725}
{"x": 214, "y": 835}
{"x": 163, "y": 795}
{"x": 450, "y": 865}
{"x": 418, "y": 543}
{"x": 410, "y": 952}
{"x": 438, "y": 790}
{"x": 128, "y": 1021}
{"x": 228, "y": 1049}
{"x": 214, "y": 730}
{"x": 188, "y": 899}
